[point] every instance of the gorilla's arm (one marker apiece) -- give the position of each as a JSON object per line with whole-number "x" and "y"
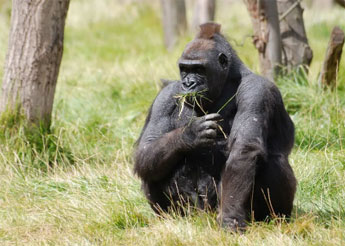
{"x": 157, "y": 156}
{"x": 247, "y": 145}
{"x": 161, "y": 146}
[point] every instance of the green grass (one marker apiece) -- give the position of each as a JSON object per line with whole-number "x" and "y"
{"x": 74, "y": 185}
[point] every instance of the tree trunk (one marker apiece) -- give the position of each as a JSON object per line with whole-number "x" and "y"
{"x": 33, "y": 59}
{"x": 174, "y": 21}
{"x": 296, "y": 50}
{"x": 264, "y": 15}
{"x": 331, "y": 63}
{"x": 204, "y": 11}
{"x": 341, "y": 3}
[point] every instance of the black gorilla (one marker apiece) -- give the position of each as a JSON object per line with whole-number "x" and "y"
{"x": 219, "y": 138}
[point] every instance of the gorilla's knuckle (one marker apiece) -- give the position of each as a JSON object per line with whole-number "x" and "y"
{"x": 213, "y": 116}
{"x": 206, "y": 142}
{"x": 210, "y": 133}
{"x": 208, "y": 125}
{"x": 233, "y": 224}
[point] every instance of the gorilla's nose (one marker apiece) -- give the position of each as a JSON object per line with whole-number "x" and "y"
{"x": 189, "y": 83}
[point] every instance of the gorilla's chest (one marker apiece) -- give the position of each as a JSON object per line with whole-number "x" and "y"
{"x": 196, "y": 178}
{"x": 197, "y": 175}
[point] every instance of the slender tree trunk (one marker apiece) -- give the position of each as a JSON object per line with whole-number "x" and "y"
{"x": 264, "y": 15}
{"x": 33, "y": 59}
{"x": 331, "y": 63}
{"x": 204, "y": 11}
{"x": 174, "y": 21}
{"x": 296, "y": 50}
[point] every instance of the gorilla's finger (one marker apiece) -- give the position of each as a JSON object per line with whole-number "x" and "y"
{"x": 210, "y": 133}
{"x": 209, "y": 125}
{"x": 207, "y": 142}
{"x": 213, "y": 116}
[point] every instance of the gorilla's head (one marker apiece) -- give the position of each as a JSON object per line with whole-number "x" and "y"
{"x": 205, "y": 62}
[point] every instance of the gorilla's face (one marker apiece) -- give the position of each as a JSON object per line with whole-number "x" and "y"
{"x": 203, "y": 70}
{"x": 193, "y": 76}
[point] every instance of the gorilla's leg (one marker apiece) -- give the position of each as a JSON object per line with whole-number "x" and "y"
{"x": 274, "y": 191}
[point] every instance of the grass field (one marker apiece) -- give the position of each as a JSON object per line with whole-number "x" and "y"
{"x": 75, "y": 185}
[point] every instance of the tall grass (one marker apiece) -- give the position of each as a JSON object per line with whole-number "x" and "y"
{"x": 74, "y": 185}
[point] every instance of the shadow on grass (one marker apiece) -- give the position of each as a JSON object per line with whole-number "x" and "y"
{"x": 28, "y": 147}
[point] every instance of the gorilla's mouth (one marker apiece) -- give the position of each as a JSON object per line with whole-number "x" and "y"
{"x": 197, "y": 93}
{"x": 194, "y": 98}
{"x": 195, "y": 89}
{"x": 189, "y": 87}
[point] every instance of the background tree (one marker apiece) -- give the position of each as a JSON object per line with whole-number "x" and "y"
{"x": 330, "y": 66}
{"x": 340, "y": 2}
{"x": 174, "y": 21}
{"x": 204, "y": 11}
{"x": 267, "y": 40}
{"x": 295, "y": 47}
{"x": 34, "y": 55}
{"x": 280, "y": 41}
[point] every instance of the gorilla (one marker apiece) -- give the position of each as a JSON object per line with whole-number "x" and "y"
{"x": 219, "y": 139}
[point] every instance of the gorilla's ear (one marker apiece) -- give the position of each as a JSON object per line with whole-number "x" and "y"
{"x": 223, "y": 60}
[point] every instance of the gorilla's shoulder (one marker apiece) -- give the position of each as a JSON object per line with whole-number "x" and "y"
{"x": 257, "y": 88}
{"x": 166, "y": 98}
{"x": 256, "y": 82}
{"x": 169, "y": 91}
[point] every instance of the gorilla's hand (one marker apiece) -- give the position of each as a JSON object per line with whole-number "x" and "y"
{"x": 201, "y": 131}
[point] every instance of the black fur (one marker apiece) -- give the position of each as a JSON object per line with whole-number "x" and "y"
{"x": 184, "y": 158}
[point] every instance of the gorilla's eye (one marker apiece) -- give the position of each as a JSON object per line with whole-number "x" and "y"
{"x": 183, "y": 71}
{"x": 223, "y": 60}
{"x": 199, "y": 70}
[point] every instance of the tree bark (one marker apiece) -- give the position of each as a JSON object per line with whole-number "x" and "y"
{"x": 204, "y": 11}
{"x": 264, "y": 16}
{"x": 33, "y": 59}
{"x": 295, "y": 48}
{"x": 331, "y": 63}
{"x": 174, "y": 21}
